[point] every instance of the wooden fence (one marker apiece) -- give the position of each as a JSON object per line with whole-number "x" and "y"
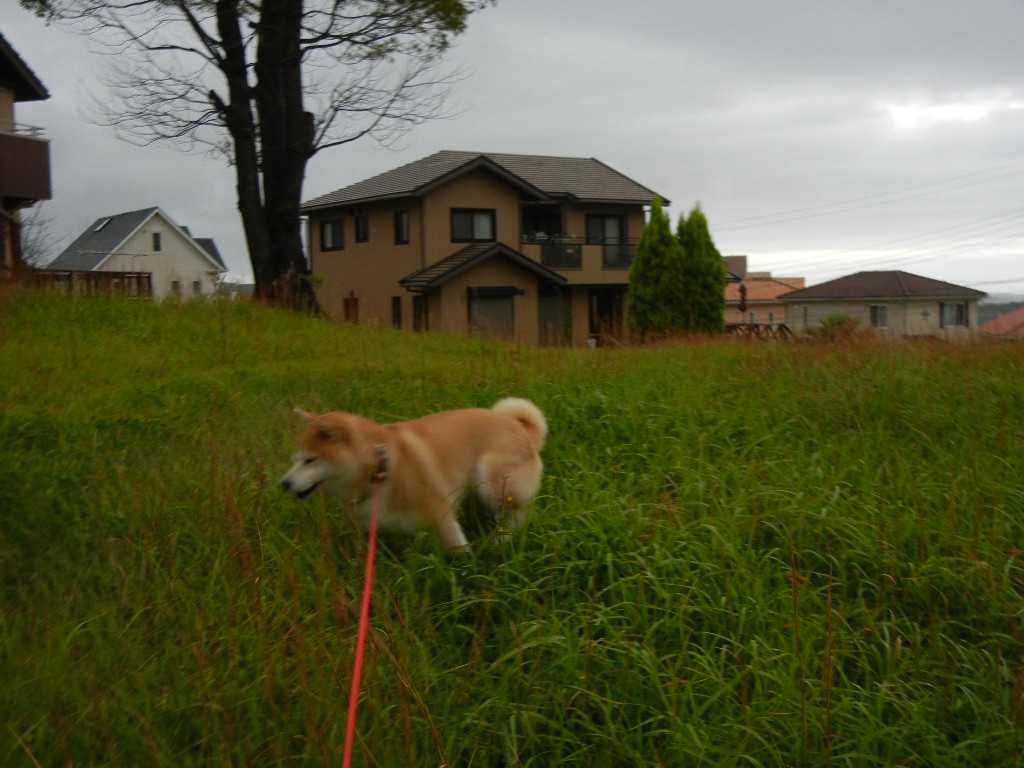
{"x": 82, "y": 283}
{"x": 759, "y": 330}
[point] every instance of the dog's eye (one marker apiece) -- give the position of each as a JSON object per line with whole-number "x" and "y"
{"x": 309, "y": 460}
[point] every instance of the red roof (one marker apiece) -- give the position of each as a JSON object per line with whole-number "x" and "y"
{"x": 1010, "y": 324}
{"x": 760, "y": 289}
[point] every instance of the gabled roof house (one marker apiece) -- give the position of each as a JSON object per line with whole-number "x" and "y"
{"x": 24, "y": 156}
{"x": 526, "y": 247}
{"x": 146, "y": 240}
{"x": 893, "y": 303}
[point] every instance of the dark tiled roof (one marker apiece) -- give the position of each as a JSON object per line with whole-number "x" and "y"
{"x": 16, "y": 75}
{"x": 882, "y": 285}
{"x": 470, "y": 256}
{"x": 97, "y": 242}
{"x": 543, "y": 177}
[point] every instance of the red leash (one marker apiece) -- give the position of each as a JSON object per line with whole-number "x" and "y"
{"x": 364, "y": 610}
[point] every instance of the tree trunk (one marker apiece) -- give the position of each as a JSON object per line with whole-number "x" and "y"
{"x": 286, "y": 144}
{"x": 270, "y": 161}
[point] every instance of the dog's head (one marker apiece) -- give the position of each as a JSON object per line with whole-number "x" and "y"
{"x": 336, "y": 451}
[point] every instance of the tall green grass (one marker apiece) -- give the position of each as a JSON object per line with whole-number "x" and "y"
{"x": 742, "y": 555}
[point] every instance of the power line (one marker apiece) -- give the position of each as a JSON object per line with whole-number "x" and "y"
{"x": 985, "y": 223}
{"x": 853, "y": 204}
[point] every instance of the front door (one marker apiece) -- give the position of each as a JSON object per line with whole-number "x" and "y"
{"x": 606, "y": 312}
{"x": 555, "y": 317}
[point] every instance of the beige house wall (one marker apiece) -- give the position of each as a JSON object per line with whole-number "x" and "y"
{"x": 177, "y": 261}
{"x": 906, "y": 317}
{"x": 450, "y": 305}
{"x": 369, "y": 271}
{"x": 478, "y": 189}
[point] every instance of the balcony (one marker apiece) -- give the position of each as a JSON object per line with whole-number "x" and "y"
{"x": 568, "y": 252}
{"x": 24, "y": 166}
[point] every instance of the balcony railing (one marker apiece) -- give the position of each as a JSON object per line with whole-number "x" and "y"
{"x": 567, "y": 252}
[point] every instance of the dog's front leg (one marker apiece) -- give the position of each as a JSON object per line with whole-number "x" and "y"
{"x": 449, "y": 533}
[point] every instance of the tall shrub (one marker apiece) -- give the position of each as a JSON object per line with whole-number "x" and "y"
{"x": 702, "y": 289}
{"x": 655, "y": 277}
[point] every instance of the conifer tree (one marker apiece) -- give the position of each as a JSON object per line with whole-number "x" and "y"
{"x": 702, "y": 290}
{"x": 654, "y": 278}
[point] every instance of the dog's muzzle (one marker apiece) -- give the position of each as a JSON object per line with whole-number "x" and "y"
{"x": 300, "y": 494}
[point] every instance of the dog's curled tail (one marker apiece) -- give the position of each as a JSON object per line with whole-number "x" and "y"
{"x": 527, "y": 413}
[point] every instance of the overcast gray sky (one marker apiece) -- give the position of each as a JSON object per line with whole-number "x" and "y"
{"x": 820, "y": 138}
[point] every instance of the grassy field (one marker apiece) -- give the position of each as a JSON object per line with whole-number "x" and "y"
{"x": 742, "y": 555}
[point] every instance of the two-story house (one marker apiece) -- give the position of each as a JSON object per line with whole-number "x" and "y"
{"x": 24, "y": 156}
{"x": 525, "y": 247}
{"x": 146, "y": 243}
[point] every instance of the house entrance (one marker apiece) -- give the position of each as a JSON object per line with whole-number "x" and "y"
{"x": 606, "y": 313}
{"x": 555, "y": 317}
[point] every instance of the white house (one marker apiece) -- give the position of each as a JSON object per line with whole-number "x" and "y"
{"x": 147, "y": 241}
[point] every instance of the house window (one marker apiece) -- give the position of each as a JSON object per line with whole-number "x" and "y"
{"x": 157, "y": 244}
{"x": 604, "y": 229}
{"x": 396, "y": 311}
{"x": 401, "y": 227}
{"x": 362, "y": 228}
{"x": 879, "y": 316}
{"x": 952, "y": 315}
{"x": 332, "y": 235}
{"x": 350, "y": 308}
{"x": 197, "y": 287}
{"x": 472, "y": 225}
{"x": 609, "y": 230}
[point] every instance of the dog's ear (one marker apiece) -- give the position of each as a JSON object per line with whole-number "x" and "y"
{"x": 326, "y": 434}
{"x": 305, "y": 414}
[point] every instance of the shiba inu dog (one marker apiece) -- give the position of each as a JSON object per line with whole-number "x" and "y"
{"x": 429, "y": 466}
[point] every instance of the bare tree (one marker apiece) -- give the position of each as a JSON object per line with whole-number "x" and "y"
{"x": 38, "y": 240}
{"x": 268, "y": 84}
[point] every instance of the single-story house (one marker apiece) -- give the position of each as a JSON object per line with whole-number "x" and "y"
{"x": 531, "y": 248}
{"x": 147, "y": 241}
{"x": 893, "y": 303}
